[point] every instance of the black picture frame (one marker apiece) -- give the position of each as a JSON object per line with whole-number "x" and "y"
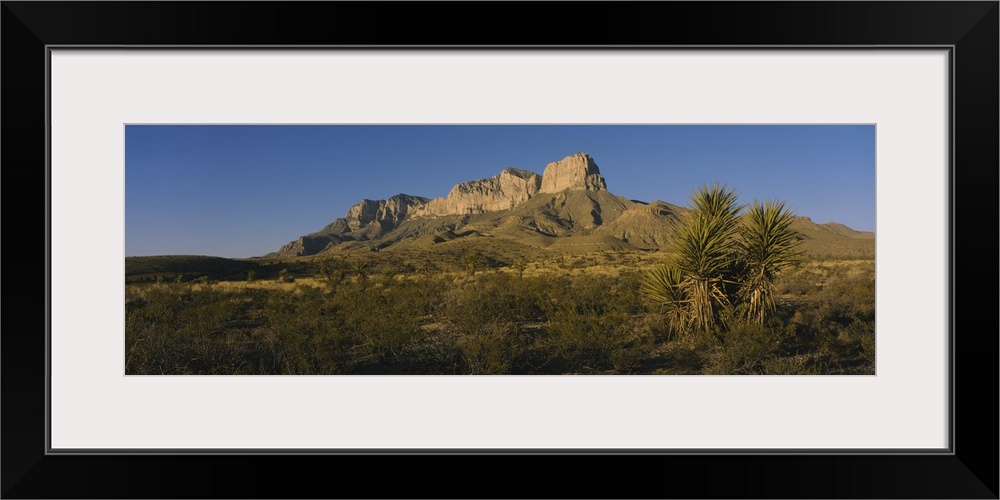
{"x": 970, "y": 28}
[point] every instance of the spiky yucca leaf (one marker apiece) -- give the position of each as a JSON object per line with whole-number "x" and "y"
{"x": 661, "y": 286}
{"x": 704, "y": 238}
{"x": 767, "y": 246}
{"x": 715, "y": 201}
{"x": 704, "y": 243}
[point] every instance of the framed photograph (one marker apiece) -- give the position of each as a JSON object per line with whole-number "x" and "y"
{"x": 356, "y": 186}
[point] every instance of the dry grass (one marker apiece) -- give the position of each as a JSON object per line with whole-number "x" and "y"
{"x": 578, "y": 313}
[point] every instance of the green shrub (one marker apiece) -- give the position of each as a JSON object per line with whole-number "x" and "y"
{"x": 744, "y": 350}
{"x": 333, "y": 271}
{"x": 487, "y": 323}
{"x": 793, "y": 365}
{"x": 492, "y": 350}
{"x": 472, "y": 261}
{"x": 520, "y": 265}
{"x": 587, "y": 340}
{"x": 469, "y": 306}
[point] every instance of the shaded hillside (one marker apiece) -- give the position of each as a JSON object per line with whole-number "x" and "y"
{"x": 170, "y": 266}
{"x": 645, "y": 226}
{"x": 185, "y": 268}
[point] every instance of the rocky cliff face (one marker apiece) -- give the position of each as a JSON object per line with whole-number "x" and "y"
{"x": 511, "y": 188}
{"x": 567, "y": 209}
{"x": 391, "y": 211}
{"x": 507, "y": 190}
{"x": 576, "y": 172}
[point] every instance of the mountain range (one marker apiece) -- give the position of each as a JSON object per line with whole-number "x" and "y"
{"x": 567, "y": 208}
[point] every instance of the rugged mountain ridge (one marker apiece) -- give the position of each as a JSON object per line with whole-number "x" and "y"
{"x": 567, "y": 208}
{"x": 370, "y": 220}
{"x": 511, "y": 187}
{"x": 392, "y": 211}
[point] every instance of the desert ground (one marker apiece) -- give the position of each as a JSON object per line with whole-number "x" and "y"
{"x": 482, "y": 306}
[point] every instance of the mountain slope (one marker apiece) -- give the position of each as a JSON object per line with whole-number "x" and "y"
{"x": 568, "y": 208}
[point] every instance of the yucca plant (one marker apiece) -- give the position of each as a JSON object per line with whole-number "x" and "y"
{"x": 334, "y": 271}
{"x": 725, "y": 260}
{"x": 662, "y": 287}
{"x": 520, "y": 266}
{"x": 360, "y": 269}
{"x": 766, "y": 247}
{"x": 704, "y": 244}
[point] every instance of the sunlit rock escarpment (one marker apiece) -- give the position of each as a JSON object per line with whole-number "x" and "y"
{"x": 567, "y": 208}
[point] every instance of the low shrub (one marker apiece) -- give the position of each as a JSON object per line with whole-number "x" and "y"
{"x": 400, "y": 320}
{"x": 744, "y": 349}
{"x": 492, "y": 350}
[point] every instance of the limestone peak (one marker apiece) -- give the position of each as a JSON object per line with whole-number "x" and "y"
{"x": 576, "y": 172}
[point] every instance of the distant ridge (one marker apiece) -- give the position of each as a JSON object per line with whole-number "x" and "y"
{"x": 567, "y": 208}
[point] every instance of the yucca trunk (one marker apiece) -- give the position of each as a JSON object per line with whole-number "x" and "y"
{"x": 759, "y": 298}
{"x": 702, "y": 305}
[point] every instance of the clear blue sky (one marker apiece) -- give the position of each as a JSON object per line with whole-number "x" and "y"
{"x": 245, "y": 190}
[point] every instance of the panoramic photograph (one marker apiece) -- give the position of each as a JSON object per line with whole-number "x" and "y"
{"x": 499, "y": 250}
